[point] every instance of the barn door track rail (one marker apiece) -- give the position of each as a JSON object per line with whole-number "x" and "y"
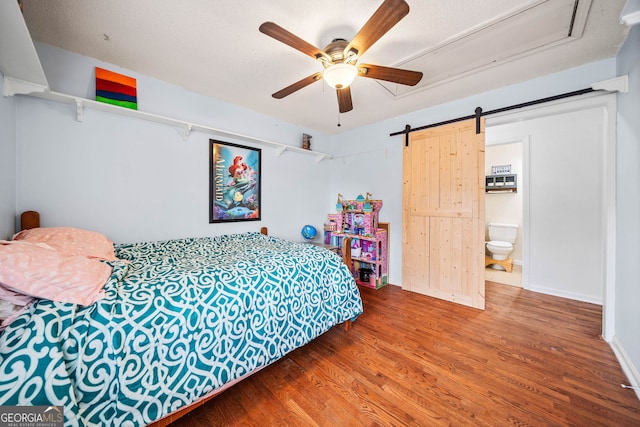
{"x": 618, "y": 84}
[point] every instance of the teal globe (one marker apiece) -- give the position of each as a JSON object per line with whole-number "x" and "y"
{"x": 309, "y": 232}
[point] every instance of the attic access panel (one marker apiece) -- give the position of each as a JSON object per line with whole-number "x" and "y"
{"x": 531, "y": 28}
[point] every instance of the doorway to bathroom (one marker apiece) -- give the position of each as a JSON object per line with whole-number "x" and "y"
{"x": 568, "y": 197}
{"x": 504, "y": 203}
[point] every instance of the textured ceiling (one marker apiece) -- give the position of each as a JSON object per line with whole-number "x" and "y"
{"x": 463, "y": 47}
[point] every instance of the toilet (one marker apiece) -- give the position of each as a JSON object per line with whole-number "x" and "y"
{"x": 500, "y": 245}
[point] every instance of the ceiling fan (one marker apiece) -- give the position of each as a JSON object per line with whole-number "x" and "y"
{"x": 340, "y": 58}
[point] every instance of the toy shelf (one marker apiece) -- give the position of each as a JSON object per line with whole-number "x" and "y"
{"x": 358, "y": 220}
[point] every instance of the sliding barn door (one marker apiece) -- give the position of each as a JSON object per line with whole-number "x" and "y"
{"x": 443, "y": 213}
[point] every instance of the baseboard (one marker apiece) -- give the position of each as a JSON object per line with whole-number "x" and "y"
{"x": 626, "y": 364}
{"x": 563, "y": 294}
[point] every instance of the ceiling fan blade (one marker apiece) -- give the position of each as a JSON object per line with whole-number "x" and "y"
{"x": 298, "y": 85}
{"x": 344, "y": 99}
{"x": 388, "y": 14}
{"x": 277, "y": 32}
{"x": 394, "y": 75}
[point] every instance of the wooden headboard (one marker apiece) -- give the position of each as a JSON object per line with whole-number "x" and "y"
{"x": 29, "y": 219}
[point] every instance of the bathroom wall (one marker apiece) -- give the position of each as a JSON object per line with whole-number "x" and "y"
{"x": 505, "y": 207}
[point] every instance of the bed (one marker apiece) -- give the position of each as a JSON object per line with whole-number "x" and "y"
{"x": 175, "y": 323}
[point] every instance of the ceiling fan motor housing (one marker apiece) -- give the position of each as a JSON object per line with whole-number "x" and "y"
{"x": 335, "y": 50}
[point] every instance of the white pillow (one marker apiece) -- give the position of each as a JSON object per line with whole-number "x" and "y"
{"x": 11, "y": 305}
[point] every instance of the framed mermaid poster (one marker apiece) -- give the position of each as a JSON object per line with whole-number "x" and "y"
{"x": 234, "y": 182}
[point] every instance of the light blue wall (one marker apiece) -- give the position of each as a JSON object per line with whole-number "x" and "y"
{"x": 368, "y": 159}
{"x": 627, "y": 293}
{"x": 7, "y": 166}
{"x": 115, "y": 174}
{"x": 135, "y": 180}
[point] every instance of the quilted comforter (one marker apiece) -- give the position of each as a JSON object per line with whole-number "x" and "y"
{"x": 180, "y": 319}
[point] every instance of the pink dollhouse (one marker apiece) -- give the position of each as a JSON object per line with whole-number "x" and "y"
{"x": 358, "y": 219}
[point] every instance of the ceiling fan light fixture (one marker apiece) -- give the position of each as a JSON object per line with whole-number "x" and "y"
{"x": 340, "y": 76}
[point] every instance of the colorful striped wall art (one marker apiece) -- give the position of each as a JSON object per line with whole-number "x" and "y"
{"x": 116, "y": 89}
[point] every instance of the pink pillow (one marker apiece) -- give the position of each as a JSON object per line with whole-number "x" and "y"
{"x": 72, "y": 241}
{"x": 40, "y": 271}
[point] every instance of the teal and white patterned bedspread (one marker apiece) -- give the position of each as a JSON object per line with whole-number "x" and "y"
{"x": 181, "y": 319}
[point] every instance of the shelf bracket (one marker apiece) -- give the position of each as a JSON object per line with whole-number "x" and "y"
{"x": 320, "y": 157}
{"x": 187, "y": 131}
{"x": 280, "y": 150}
{"x": 618, "y": 84}
{"x": 14, "y": 86}
{"x": 79, "y": 110}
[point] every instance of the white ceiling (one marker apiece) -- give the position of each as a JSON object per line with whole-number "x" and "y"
{"x": 463, "y": 47}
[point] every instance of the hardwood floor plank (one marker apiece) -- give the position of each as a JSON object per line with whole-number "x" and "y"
{"x": 529, "y": 359}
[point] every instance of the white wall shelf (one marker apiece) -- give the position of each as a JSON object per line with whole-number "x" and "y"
{"x": 24, "y": 75}
{"x": 501, "y": 182}
{"x": 187, "y": 127}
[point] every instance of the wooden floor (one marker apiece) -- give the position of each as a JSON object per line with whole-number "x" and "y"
{"x": 528, "y": 360}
